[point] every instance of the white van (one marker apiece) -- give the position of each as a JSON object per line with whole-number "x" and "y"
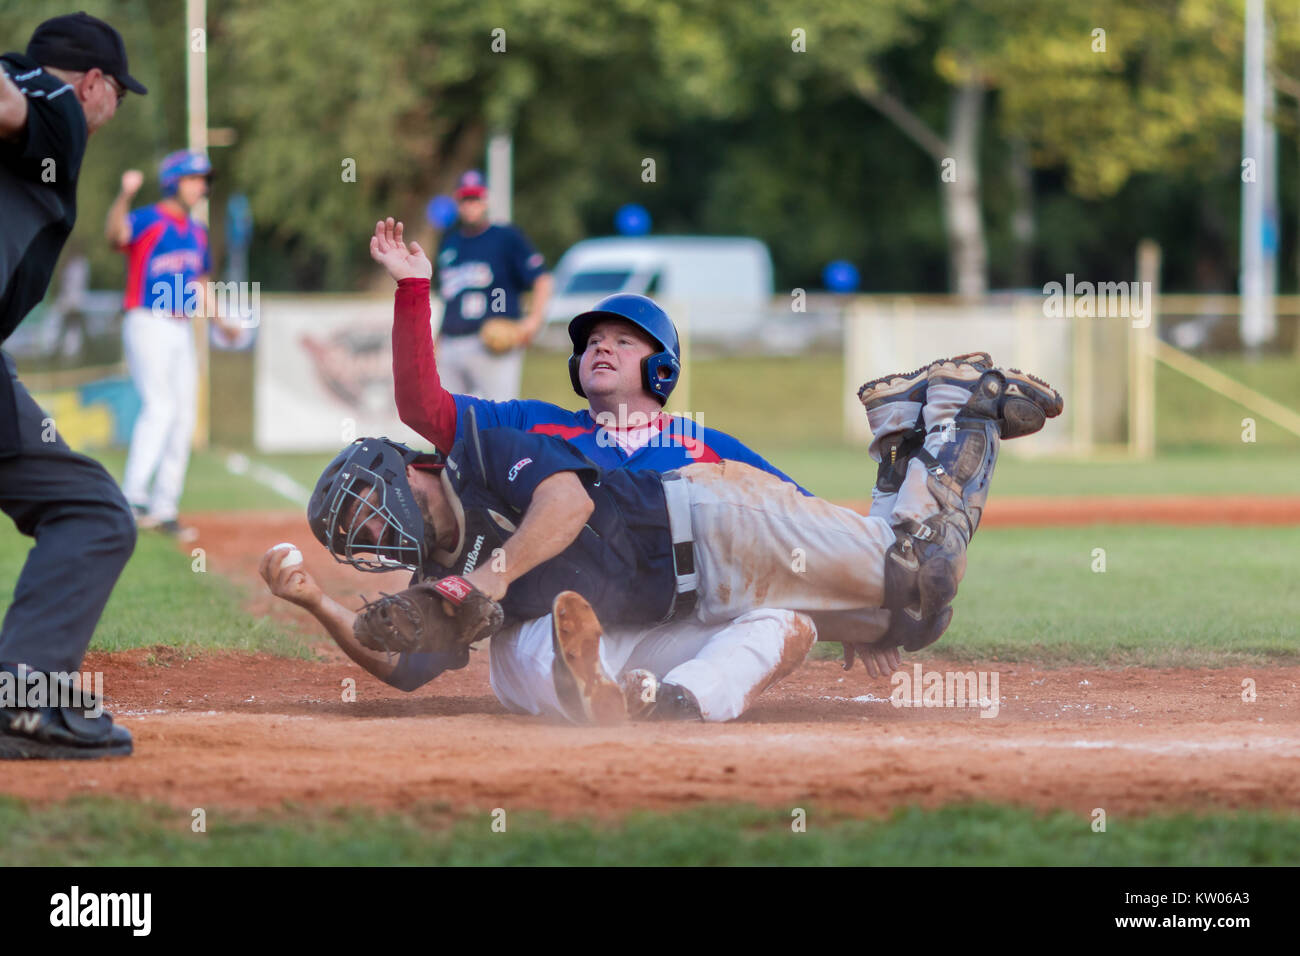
{"x": 716, "y": 288}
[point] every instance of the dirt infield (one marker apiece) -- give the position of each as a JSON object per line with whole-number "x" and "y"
{"x": 239, "y": 731}
{"x": 227, "y": 730}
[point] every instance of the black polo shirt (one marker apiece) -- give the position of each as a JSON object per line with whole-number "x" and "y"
{"x": 621, "y": 561}
{"x": 38, "y": 188}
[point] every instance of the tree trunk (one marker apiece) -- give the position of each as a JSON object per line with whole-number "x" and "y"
{"x": 1022, "y": 215}
{"x": 959, "y": 176}
{"x": 963, "y": 220}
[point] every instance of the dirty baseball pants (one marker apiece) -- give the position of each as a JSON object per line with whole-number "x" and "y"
{"x": 724, "y": 666}
{"x": 160, "y": 354}
{"x": 84, "y": 535}
{"x": 759, "y": 542}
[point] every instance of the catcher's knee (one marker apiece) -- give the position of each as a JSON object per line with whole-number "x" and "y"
{"x": 921, "y": 579}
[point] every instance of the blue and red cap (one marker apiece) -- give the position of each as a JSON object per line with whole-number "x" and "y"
{"x": 471, "y": 185}
{"x": 176, "y": 166}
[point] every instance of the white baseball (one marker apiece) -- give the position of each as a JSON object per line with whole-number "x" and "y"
{"x": 292, "y": 559}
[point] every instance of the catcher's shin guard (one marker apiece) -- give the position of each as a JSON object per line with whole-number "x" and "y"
{"x": 927, "y": 559}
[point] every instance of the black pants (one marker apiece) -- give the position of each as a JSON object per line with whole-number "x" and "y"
{"x": 84, "y": 535}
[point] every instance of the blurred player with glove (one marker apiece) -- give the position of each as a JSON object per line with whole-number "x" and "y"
{"x": 483, "y": 268}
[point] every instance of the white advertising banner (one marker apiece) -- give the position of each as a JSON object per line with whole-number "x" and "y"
{"x": 324, "y": 373}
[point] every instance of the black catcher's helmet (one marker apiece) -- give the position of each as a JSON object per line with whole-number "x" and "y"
{"x": 367, "y": 481}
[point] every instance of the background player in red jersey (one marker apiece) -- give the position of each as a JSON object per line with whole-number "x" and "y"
{"x": 168, "y": 266}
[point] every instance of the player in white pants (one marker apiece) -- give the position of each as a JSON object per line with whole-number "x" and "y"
{"x": 468, "y": 368}
{"x": 723, "y": 667}
{"x": 168, "y": 264}
{"x": 160, "y": 356}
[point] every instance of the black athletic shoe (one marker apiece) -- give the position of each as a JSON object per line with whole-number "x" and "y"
{"x": 649, "y": 698}
{"x": 60, "y": 733}
{"x": 674, "y": 702}
{"x": 1027, "y": 403}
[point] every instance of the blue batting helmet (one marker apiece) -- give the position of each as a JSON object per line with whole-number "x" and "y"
{"x": 659, "y": 371}
{"x": 181, "y": 163}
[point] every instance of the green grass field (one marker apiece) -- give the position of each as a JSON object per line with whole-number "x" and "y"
{"x": 162, "y": 599}
{"x": 100, "y": 832}
{"x": 1168, "y": 597}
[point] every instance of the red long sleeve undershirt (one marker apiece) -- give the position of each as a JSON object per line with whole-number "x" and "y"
{"x": 422, "y": 403}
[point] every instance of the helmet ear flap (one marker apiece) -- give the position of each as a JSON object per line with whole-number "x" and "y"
{"x": 652, "y": 379}
{"x": 573, "y": 375}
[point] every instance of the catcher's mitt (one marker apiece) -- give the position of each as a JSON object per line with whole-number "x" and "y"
{"x": 445, "y": 616}
{"x": 500, "y": 335}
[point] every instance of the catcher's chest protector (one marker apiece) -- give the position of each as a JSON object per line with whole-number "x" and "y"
{"x": 486, "y": 530}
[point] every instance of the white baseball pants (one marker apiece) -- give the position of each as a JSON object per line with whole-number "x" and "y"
{"x": 726, "y": 667}
{"x": 160, "y": 355}
{"x": 466, "y": 367}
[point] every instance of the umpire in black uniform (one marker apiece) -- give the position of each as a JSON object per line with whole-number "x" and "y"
{"x": 69, "y": 84}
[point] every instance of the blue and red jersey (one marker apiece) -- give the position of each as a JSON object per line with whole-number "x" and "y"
{"x": 165, "y": 253}
{"x": 427, "y": 407}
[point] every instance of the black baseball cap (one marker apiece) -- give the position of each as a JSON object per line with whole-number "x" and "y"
{"x": 78, "y": 41}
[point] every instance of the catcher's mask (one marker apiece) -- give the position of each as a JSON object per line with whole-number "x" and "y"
{"x": 363, "y": 505}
